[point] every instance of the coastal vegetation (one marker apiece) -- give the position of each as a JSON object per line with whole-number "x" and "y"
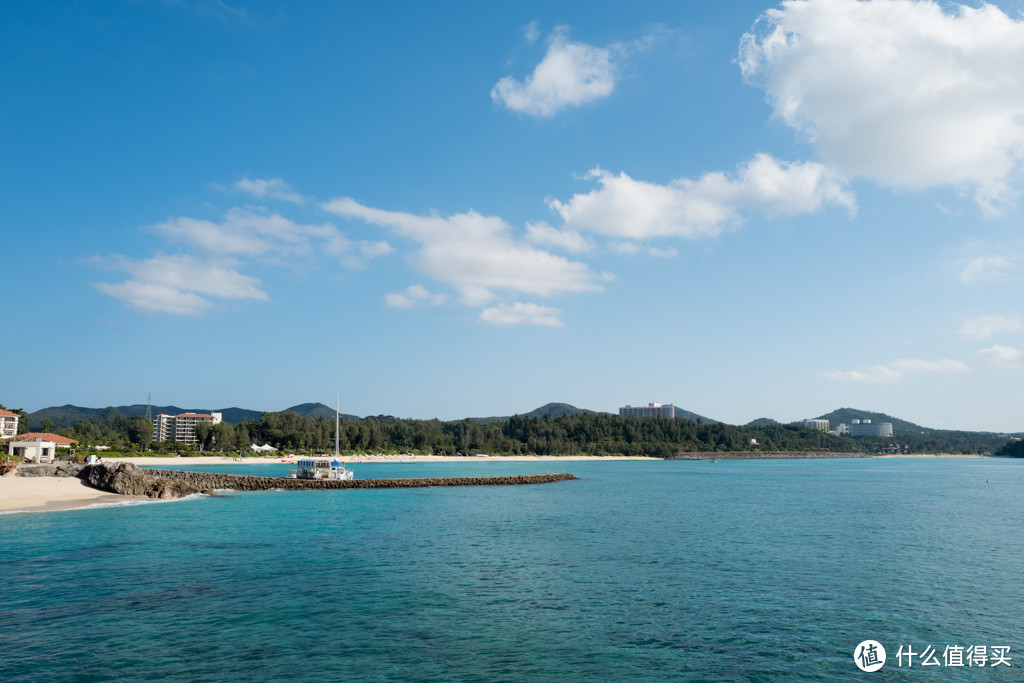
{"x": 570, "y": 434}
{"x": 1013, "y": 449}
{"x": 553, "y": 429}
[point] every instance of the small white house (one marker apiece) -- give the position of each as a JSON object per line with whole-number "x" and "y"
{"x": 36, "y": 450}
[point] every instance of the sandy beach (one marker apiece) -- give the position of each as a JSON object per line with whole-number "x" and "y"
{"x": 39, "y": 494}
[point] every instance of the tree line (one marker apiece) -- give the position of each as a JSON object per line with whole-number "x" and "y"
{"x": 573, "y": 434}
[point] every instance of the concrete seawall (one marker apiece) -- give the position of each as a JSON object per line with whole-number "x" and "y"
{"x": 240, "y": 482}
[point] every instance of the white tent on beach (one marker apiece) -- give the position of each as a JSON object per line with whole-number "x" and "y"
{"x": 264, "y": 449}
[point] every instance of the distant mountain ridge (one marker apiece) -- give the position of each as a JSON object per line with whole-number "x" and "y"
{"x": 67, "y": 415}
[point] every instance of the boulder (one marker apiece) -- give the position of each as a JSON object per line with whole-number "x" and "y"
{"x": 63, "y": 469}
{"x": 126, "y": 479}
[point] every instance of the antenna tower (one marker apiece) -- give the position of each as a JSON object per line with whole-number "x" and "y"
{"x": 149, "y": 407}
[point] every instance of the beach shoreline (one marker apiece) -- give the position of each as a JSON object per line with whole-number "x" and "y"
{"x": 47, "y": 494}
{"x": 44, "y": 494}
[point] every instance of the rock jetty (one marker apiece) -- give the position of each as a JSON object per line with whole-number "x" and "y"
{"x": 128, "y": 479}
{"x": 241, "y": 482}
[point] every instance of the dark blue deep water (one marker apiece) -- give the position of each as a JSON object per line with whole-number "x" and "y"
{"x": 728, "y": 571}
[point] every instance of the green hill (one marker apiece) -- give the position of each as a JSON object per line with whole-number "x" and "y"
{"x": 686, "y": 414}
{"x": 69, "y": 415}
{"x": 319, "y": 410}
{"x": 848, "y": 415}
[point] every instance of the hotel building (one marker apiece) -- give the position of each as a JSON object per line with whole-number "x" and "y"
{"x": 650, "y": 410}
{"x": 8, "y": 424}
{"x": 820, "y": 425}
{"x": 181, "y": 428}
{"x": 869, "y": 428}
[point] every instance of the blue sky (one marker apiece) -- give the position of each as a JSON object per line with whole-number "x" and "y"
{"x": 466, "y": 209}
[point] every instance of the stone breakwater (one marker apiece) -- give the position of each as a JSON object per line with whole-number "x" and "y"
{"x": 242, "y": 482}
{"x": 128, "y": 479}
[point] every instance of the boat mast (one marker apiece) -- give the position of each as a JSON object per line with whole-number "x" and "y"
{"x": 337, "y": 426}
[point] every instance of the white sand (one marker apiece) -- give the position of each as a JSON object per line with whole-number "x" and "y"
{"x": 33, "y": 494}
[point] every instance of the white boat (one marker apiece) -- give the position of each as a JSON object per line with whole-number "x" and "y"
{"x": 324, "y": 468}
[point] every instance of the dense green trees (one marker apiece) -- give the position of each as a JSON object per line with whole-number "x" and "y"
{"x": 1013, "y": 448}
{"x": 571, "y": 434}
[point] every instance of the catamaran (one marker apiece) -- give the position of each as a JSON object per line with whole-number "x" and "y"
{"x": 324, "y": 468}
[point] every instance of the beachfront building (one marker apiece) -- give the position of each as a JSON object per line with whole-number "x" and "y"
{"x": 869, "y": 428}
{"x": 8, "y": 424}
{"x": 32, "y": 450}
{"x": 60, "y": 441}
{"x": 819, "y": 425}
{"x": 650, "y": 410}
{"x": 182, "y": 428}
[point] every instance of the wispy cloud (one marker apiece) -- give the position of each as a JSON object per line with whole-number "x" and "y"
{"x": 476, "y": 255}
{"x": 567, "y": 240}
{"x": 532, "y": 31}
{"x": 984, "y": 326}
{"x": 911, "y": 93}
{"x": 632, "y": 248}
{"x": 178, "y": 284}
{"x": 571, "y": 74}
{"x": 897, "y": 370}
{"x": 414, "y": 296}
{"x": 218, "y": 250}
{"x": 634, "y": 209}
{"x": 216, "y": 9}
{"x": 255, "y": 231}
{"x": 1003, "y": 356}
{"x": 269, "y": 188}
{"x": 521, "y": 314}
{"x": 984, "y": 268}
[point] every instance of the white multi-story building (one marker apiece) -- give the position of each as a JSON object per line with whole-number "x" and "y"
{"x": 869, "y": 428}
{"x": 820, "y": 425}
{"x": 181, "y": 428}
{"x": 8, "y": 424}
{"x": 650, "y": 410}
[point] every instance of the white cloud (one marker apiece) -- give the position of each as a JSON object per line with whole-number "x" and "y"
{"x": 413, "y": 296}
{"x": 633, "y": 248}
{"x": 566, "y": 240}
{"x": 982, "y": 268}
{"x": 899, "y": 91}
{"x": 475, "y": 254}
{"x": 521, "y": 314}
{"x": 532, "y": 31}
{"x": 633, "y": 209}
{"x": 897, "y": 370}
{"x": 269, "y": 188}
{"x": 1003, "y": 356}
{"x": 178, "y": 284}
{"x": 985, "y": 326}
{"x": 571, "y": 74}
{"x": 251, "y": 231}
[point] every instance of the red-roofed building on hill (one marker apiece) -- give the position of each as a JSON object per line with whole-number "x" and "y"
{"x": 8, "y": 424}
{"x": 181, "y": 428}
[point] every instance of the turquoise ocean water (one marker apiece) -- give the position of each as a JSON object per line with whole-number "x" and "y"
{"x": 690, "y": 571}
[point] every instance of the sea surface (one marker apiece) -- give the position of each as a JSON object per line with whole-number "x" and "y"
{"x": 676, "y": 571}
